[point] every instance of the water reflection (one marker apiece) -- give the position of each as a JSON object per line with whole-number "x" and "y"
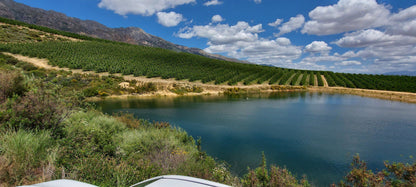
{"x": 311, "y": 133}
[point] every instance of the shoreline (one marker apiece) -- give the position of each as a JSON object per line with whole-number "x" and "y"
{"x": 406, "y": 97}
{"x": 212, "y": 89}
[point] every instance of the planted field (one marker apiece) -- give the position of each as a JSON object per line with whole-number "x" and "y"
{"x": 106, "y": 56}
{"x": 146, "y": 61}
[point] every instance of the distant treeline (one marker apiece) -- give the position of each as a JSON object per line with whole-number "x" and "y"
{"x": 106, "y": 56}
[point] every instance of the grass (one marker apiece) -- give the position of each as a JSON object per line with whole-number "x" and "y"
{"x": 27, "y": 157}
{"x": 73, "y": 141}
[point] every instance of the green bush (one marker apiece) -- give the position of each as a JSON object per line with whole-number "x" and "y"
{"x": 39, "y": 109}
{"x": 90, "y": 92}
{"x": 153, "y": 141}
{"x": 146, "y": 88}
{"x": 277, "y": 176}
{"x": 10, "y": 84}
{"x": 27, "y": 157}
{"x": 103, "y": 170}
{"x": 395, "y": 174}
{"x": 91, "y": 131}
{"x": 26, "y": 66}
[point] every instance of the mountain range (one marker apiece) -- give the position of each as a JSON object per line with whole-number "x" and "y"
{"x": 56, "y": 20}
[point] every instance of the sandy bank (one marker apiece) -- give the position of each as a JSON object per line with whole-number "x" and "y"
{"x": 381, "y": 94}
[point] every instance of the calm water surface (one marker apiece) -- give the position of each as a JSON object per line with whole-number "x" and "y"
{"x": 309, "y": 133}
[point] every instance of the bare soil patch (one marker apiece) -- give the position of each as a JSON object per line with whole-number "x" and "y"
{"x": 324, "y": 80}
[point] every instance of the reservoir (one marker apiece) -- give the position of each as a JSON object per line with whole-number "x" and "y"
{"x": 315, "y": 134}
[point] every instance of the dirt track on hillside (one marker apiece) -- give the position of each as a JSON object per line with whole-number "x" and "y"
{"x": 163, "y": 84}
{"x": 211, "y": 89}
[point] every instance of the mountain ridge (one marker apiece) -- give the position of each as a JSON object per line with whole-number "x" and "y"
{"x": 56, "y": 20}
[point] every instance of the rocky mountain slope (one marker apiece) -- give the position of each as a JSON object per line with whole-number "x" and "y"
{"x": 133, "y": 35}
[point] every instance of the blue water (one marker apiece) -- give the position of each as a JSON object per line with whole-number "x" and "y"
{"x": 309, "y": 133}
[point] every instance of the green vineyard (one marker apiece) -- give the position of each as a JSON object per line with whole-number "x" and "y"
{"x": 114, "y": 57}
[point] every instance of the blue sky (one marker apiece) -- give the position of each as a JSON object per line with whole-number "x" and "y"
{"x": 358, "y": 36}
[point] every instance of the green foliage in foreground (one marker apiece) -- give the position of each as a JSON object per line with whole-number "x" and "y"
{"x": 45, "y": 135}
{"x": 86, "y": 145}
{"x": 276, "y": 176}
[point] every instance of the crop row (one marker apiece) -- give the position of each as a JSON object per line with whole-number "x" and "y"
{"x": 136, "y": 60}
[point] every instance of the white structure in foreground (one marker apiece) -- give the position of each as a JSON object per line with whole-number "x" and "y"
{"x": 160, "y": 181}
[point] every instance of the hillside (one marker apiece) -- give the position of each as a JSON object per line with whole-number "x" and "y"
{"x": 45, "y": 121}
{"x": 133, "y": 35}
{"x": 104, "y": 56}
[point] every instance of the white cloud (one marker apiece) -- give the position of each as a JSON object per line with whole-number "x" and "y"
{"x": 257, "y": 1}
{"x": 170, "y": 19}
{"x": 405, "y": 15}
{"x": 223, "y": 33}
{"x": 348, "y": 63}
{"x": 371, "y": 37}
{"x": 276, "y": 23}
{"x": 317, "y": 47}
{"x": 385, "y": 41}
{"x": 323, "y": 58}
{"x": 217, "y": 18}
{"x": 141, "y": 7}
{"x": 404, "y": 22}
{"x": 242, "y": 41}
{"x": 385, "y": 52}
{"x": 213, "y": 2}
{"x": 293, "y": 24}
{"x": 346, "y": 15}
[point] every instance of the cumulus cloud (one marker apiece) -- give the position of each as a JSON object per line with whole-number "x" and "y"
{"x": 223, "y": 33}
{"x": 212, "y": 2}
{"x": 276, "y": 23}
{"x": 170, "y": 19}
{"x": 141, "y": 7}
{"x": 317, "y": 47}
{"x": 404, "y": 22}
{"x": 216, "y": 18}
{"x": 242, "y": 41}
{"x": 348, "y": 63}
{"x": 385, "y": 41}
{"x": 293, "y": 24}
{"x": 371, "y": 37}
{"x": 405, "y": 15}
{"x": 346, "y": 15}
{"x": 386, "y": 52}
{"x": 257, "y": 1}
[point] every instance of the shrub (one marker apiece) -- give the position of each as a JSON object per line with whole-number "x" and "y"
{"x": 361, "y": 176}
{"x": 103, "y": 170}
{"x": 26, "y": 157}
{"x": 400, "y": 174}
{"x": 146, "y": 87}
{"x": 276, "y": 177}
{"x": 10, "y": 84}
{"x": 36, "y": 110}
{"x": 396, "y": 174}
{"x": 153, "y": 141}
{"x": 90, "y": 92}
{"x": 26, "y": 66}
{"x": 88, "y": 133}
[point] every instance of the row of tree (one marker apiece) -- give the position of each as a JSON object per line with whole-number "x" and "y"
{"x": 155, "y": 62}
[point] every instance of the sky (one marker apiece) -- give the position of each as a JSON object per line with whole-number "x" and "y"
{"x": 354, "y": 36}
